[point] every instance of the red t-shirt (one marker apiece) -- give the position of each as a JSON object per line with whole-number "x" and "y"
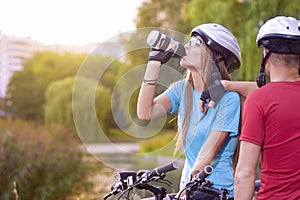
{"x": 271, "y": 120}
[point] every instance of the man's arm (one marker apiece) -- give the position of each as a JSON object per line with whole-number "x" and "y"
{"x": 242, "y": 87}
{"x": 246, "y": 171}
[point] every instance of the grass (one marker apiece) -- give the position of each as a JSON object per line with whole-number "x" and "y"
{"x": 102, "y": 180}
{"x": 163, "y": 144}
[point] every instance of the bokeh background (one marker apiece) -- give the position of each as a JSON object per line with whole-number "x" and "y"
{"x": 69, "y": 78}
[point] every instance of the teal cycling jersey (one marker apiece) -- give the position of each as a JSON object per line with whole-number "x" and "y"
{"x": 224, "y": 116}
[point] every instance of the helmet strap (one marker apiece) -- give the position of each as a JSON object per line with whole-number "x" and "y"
{"x": 261, "y": 77}
{"x": 216, "y": 60}
{"x": 216, "y": 73}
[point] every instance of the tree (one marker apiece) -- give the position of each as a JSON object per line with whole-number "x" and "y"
{"x": 59, "y": 100}
{"x": 27, "y": 87}
{"x": 166, "y": 14}
{"x": 243, "y": 19}
{"x": 154, "y": 14}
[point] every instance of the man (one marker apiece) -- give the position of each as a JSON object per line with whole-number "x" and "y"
{"x": 271, "y": 117}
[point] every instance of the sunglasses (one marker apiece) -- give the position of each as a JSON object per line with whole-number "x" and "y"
{"x": 195, "y": 41}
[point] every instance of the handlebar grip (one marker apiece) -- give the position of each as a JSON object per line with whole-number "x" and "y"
{"x": 208, "y": 169}
{"x": 166, "y": 168}
{"x": 107, "y": 196}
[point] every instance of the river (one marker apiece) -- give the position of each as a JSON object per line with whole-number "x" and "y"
{"x": 124, "y": 157}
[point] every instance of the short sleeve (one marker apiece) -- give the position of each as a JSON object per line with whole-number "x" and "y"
{"x": 252, "y": 121}
{"x": 175, "y": 93}
{"x": 227, "y": 115}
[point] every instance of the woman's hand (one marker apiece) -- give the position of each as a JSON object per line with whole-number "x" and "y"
{"x": 182, "y": 192}
{"x": 160, "y": 55}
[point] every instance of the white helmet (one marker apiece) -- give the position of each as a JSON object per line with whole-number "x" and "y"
{"x": 221, "y": 40}
{"x": 280, "y": 35}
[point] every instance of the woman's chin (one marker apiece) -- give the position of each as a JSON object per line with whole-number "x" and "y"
{"x": 184, "y": 63}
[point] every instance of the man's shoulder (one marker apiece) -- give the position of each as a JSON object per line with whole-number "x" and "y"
{"x": 261, "y": 95}
{"x": 262, "y": 91}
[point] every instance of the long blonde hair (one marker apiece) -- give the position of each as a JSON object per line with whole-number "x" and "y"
{"x": 205, "y": 69}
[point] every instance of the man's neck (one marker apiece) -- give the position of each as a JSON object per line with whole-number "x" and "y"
{"x": 284, "y": 74}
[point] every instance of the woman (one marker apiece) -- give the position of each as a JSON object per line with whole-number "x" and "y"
{"x": 210, "y": 137}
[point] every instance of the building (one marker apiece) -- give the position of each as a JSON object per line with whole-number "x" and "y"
{"x": 14, "y": 51}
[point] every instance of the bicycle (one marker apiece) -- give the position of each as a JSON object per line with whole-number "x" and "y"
{"x": 129, "y": 180}
{"x": 200, "y": 183}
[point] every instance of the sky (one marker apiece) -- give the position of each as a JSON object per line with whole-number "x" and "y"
{"x": 67, "y": 21}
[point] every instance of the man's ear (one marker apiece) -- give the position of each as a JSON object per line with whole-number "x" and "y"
{"x": 265, "y": 51}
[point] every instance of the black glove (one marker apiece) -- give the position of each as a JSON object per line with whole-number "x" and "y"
{"x": 216, "y": 90}
{"x": 161, "y": 55}
{"x": 214, "y": 93}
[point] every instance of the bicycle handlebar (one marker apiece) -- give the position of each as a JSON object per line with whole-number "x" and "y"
{"x": 115, "y": 189}
{"x": 199, "y": 183}
{"x": 166, "y": 168}
{"x": 141, "y": 180}
{"x": 157, "y": 172}
{"x": 205, "y": 172}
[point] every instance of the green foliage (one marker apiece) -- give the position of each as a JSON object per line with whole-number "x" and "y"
{"x": 156, "y": 13}
{"x": 27, "y": 87}
{"x": 58, "y": 107}
{"x": 43, "y": 90}
{"x": 165, "y": 14}
{"x": 117, "y": 135}
{"x": 163, "y": 143}
{"x": 42, "y": 162}
{"x": 241, "y": 17}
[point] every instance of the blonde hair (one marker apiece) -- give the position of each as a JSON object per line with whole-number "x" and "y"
{"x": 205, "y": 69}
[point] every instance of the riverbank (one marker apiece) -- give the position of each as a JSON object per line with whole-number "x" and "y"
{"x": 112, "y": 148}
{"x": 102, "y": 179}
{"x": 123, "y": 157}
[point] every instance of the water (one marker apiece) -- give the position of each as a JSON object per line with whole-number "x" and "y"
{"x": 130, "y": 161}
